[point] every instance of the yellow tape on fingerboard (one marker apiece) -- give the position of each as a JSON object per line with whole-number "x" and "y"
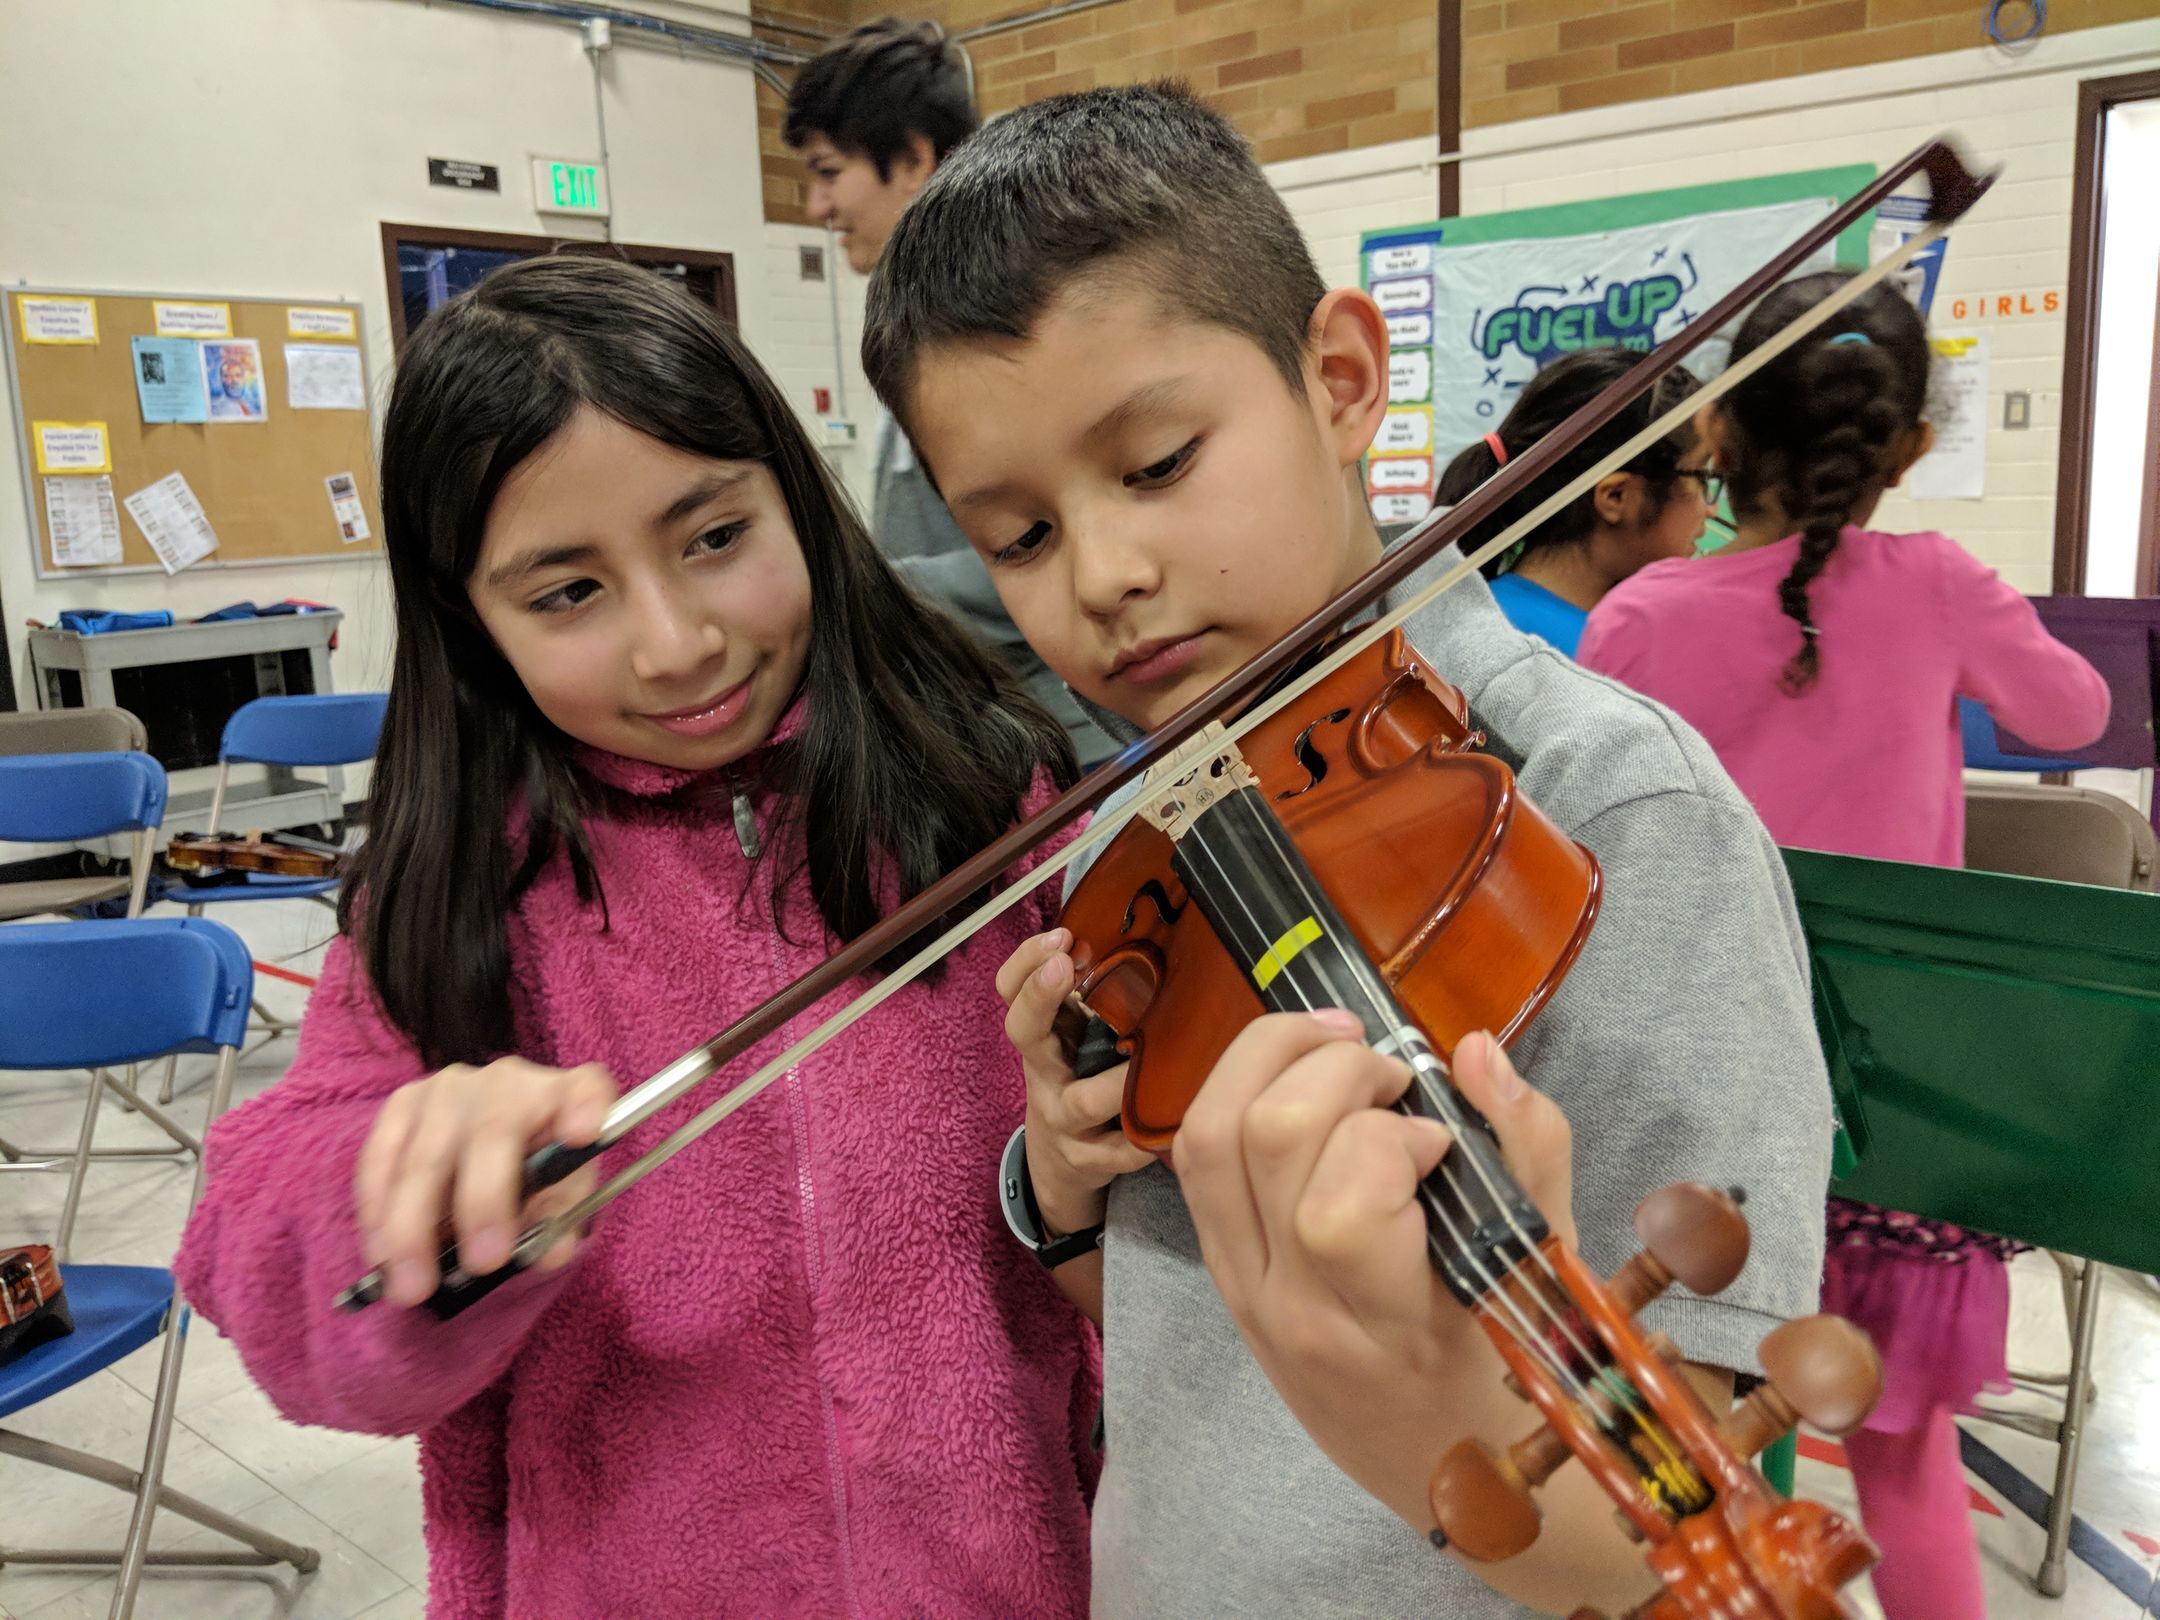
{"x": 1283, "y": 952}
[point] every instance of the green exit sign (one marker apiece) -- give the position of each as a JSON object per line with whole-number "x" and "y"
{"x": 563, "y": 187}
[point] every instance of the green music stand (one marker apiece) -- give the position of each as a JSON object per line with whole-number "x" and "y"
{"x": 1992, "y": 1043}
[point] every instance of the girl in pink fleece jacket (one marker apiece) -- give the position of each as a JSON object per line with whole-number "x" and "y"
{"x": 663, "y": 726}
{"x": 1824, "y": 662}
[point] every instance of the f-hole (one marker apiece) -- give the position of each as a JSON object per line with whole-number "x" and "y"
{"x": 1155, "y": 895}
{"x": 1310, "y": 757}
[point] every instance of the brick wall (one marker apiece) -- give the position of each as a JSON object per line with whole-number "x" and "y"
{"x": 782, "y": 169}
{"x": 1531, "y": 58}
{"x": 1297, "y": 76}
{"x": 1302, "y": 77}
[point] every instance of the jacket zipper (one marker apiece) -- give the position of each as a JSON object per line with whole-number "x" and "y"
{"x": 813, "y": 1267}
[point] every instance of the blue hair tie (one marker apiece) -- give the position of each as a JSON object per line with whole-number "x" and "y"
{"x": 1853, "y": 337}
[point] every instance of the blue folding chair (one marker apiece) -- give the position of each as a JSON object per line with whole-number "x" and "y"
{"x": 324, "y": 729}
{"x": 59, "y": 798}
{"x": 186, "y": 989}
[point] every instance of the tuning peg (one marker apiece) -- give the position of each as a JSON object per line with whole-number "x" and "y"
{"x": 1481, "y": 1497}
{"x": 1691, "y": 1234}
{"x": 1821, "y": 1369}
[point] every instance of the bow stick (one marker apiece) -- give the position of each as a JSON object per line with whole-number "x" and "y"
{"x": 1179, "y": 745}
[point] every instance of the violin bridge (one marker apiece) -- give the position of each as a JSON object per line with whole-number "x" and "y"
{"x": 1173, "y": 806}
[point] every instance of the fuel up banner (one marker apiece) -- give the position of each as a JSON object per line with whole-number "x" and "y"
{"x": 1475, "y": 306}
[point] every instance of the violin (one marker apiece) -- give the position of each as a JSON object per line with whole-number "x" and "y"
{"x": 280, "y": 854}
{"x": 1355, "y": 850}
{"x": 33, "y": 1300}
{"x": 1722, "y": 1542}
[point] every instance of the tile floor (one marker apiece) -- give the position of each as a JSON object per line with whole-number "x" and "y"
{"x": 356, "y": 1497}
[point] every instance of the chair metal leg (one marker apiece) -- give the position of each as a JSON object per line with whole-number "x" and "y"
{"x": 184, "y": 1140}
{"x": 161, "y": 1412}
{"x": 137, "y": 1547}
{"x": 267, "y": 1548}
{"x": 2085, "y": 1330}
{"x": 172, "y": 1062}
{"x": 80, "y": 1168}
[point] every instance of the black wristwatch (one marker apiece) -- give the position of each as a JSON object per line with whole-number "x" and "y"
{"x": 1016, "y": 1193}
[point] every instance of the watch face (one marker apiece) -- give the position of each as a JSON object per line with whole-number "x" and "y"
{"x": 1017, "y": 1195}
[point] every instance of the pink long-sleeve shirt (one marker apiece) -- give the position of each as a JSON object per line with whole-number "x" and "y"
{"x": 1868, "y": 760}
{"x": 801, "y": 1370}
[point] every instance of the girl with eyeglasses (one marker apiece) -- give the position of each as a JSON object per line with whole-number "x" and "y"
{"x": 1653, "y": 508}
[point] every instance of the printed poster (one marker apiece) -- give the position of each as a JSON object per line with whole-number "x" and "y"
{"x": 169, "y": 380}
{"x": 324, "y": 377}
{"x": 1955, "y": 468}
{"x": 322, "y": 323}
{"x": 1897, "y": 221}
{"x": 173, "y": 521}
{"x": 345, "y": 508}
{"x": 71, "y": 447}
{"x": 173, "y": 318}
{"x": 57, "y": 320}
{"x": 233, "y": 378}
{"x": 85, "y": 523}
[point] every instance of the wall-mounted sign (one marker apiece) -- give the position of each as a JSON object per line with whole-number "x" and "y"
{"x": 463, "y": 176}
{"x": 561, "y": 186}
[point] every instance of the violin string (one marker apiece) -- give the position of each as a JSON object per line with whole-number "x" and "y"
{"x": 1510, "y": 1314}
{"x": 694, "y": 1068}
{"x": 1302, "y": 877}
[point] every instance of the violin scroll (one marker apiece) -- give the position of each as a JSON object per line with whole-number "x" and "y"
{"x": 1481, "y": 1498}
{"x": 1819, "y": 1370}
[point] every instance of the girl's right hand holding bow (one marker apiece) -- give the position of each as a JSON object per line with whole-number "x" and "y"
{"x": 447, "y": 1154}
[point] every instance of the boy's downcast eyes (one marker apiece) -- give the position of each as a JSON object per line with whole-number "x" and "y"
{"x": 1024, "y": 547}
{"x": 1155, "y": 475}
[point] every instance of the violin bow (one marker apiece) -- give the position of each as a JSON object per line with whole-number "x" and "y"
{"x": 1197, "y": 732}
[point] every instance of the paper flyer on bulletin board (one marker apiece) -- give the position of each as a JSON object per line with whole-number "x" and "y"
{"x": 1474, "y": 306}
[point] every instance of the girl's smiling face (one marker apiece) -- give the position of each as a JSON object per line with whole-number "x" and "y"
{"x": 653, "y": 602}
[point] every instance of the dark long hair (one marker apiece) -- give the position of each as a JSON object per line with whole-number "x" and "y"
{"x": 1818, "y": 426}
{"x": 917, "y": 747}
{"x": 1556, "y": 393}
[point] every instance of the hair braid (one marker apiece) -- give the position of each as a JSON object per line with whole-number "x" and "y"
{"x": 1817, "y": 429}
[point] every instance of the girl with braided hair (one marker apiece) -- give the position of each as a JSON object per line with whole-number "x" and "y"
{"x": 1823, "y": 662}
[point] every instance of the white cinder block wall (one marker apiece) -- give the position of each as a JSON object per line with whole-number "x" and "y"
{"x": 795, "y": 341}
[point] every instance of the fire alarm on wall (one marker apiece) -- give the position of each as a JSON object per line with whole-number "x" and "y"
{"x": 821, "y": 399}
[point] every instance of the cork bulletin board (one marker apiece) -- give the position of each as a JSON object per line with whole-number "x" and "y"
{"x": 260, "y": 465}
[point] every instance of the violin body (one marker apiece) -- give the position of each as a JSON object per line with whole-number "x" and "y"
{"x": 282, "y": 857}
{"x": 1469, "y": 900}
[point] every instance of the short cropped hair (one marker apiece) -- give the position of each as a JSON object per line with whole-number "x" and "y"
{"x": 876, "y": 85}
{"x": 1143, "y": 180}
